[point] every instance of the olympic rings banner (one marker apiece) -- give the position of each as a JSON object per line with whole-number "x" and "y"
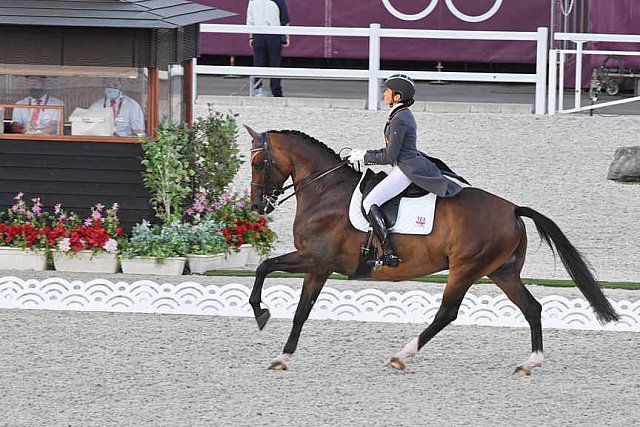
{"x": 480, "y": 15}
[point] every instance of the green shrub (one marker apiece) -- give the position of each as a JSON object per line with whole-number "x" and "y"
{"x": 167, "y": 175}
{"x": 213, "y": 153}
{"x": 161, "y": 241}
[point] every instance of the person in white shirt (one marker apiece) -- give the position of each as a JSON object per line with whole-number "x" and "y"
{"x": 127, "y": 113}
{"x": 267, "y": 48}
{"x": 37, "y": 120}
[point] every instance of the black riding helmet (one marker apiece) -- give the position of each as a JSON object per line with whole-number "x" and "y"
{"x": 402, "y": 84}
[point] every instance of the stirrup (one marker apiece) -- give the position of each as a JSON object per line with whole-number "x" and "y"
{"x": 390, "y": 260}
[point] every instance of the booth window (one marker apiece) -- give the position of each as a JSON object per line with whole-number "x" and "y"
{"x": 171, "y": 98}
{"x": 95, "y": 103}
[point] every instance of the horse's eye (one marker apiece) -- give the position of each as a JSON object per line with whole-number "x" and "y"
{"x": 258, "y": 165}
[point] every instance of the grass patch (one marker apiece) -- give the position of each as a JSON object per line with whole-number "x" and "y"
{"x": 435, "y": 278}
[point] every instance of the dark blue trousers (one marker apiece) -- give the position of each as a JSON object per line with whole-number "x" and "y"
{"x": 267, "y": 52}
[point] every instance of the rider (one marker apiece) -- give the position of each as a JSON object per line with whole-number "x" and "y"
{"x": 401, "y": 152}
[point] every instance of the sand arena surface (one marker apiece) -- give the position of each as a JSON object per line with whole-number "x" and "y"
{"x": 556, "y": 165}
{"x": 86, "y": 369}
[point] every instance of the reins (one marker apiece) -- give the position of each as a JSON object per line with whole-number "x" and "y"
{"x": 309, "y": 179}
{"x": 272, "y": 198}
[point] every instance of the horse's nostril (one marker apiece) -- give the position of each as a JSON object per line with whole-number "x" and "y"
{"x": 254, "y": 207}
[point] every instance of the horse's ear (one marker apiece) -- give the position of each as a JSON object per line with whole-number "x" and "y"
{"x": 256, "y": 139}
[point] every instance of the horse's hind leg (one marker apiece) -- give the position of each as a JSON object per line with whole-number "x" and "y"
{"x": 507, "y": 278}
{"x": 457, "y": 286}
{"x": 311, "y": 288}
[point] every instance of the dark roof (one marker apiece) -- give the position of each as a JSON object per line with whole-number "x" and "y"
{"x": 107, "y": 13}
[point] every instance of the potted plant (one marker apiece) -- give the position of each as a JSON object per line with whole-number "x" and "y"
{"x": 207, "y": 245}
{"x": 248, "y": 237}
{"x": 212, "y": 154}
{"x": 24, "y": 236}
{"x": 166, "y": 173}
{"x": 156, "y": 249}
{"x": 90, "y": 245}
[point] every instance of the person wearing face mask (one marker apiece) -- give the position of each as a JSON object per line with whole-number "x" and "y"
{"x": 127, "y": 113}
{"x": 37, "y": 120}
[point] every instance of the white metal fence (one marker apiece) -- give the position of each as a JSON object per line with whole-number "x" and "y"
{"x": 374, "y": 74}
{"x": 557, "y": 61}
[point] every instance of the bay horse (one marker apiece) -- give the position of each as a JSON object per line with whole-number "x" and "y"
{"x": 474, "y": 234}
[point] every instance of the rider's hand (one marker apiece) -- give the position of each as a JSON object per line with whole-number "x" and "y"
{"x": 356, "y": 155}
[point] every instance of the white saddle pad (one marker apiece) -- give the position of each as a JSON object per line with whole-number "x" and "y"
{"x": 415, "y": 214}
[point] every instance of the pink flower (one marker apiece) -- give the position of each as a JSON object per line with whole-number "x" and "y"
{"x": 19, "y": 196}
{"x": 110, "y": 246}
{"x": 65, "y": 244}
{"x": 37, "y": 206}
{"x": 96, "y": 215}
{"x": 57, "y": 208}
{"x": 88, "y": 222}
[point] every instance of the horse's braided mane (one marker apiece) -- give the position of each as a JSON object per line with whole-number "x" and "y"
{"x": 310, "y": 139}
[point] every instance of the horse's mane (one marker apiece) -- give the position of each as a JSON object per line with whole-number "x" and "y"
{"x": 310, "y": 139}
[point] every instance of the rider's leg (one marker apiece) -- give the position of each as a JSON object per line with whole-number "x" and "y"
{"x": 395, "y": 183}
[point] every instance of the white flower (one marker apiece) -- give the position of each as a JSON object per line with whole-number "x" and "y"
{"x": 110, "y": 246}
{"x": 64, "y": 245}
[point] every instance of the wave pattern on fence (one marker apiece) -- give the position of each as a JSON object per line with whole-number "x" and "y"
{"x": 146, "y": 296}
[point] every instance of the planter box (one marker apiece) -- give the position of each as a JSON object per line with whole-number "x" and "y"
{"x": 254, "y": 259}
{"x": 85, "y": 262}
{"x": 237, "y": 260}
{"x": 198, "y": 264}
{"x": 173, "y": 266}
{"x": 18, "y": 259}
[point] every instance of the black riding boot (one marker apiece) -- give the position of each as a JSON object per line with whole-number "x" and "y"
{"x": 389, "y": 258}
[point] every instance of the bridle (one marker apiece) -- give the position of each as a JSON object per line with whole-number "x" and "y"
{"x": 270, "y": 192}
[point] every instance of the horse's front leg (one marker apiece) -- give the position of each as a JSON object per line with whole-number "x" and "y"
{"x": 293, "y": 262}
{"x": 311, "y": 287}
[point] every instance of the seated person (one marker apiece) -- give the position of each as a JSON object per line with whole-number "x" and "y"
{"x": 37, "y": 120}
{"x": 127, "y": 113}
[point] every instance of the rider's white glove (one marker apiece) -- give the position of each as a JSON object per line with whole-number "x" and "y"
{"x": 356, "y": 155}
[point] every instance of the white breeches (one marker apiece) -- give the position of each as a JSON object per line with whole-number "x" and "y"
{"x": 395, "y": 183}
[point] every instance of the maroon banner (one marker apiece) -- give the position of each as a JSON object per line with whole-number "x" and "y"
{"x": 478, "y": 15}
{"x": 619, "y": 17}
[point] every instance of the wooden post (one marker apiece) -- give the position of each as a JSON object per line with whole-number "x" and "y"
{"x": 153, "y": 102}
{"x": 187, "y": 95}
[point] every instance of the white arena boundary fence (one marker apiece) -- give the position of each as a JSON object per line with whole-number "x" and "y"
{"x": 192, "y": 298}
{"x": 557, "y": 61}
{"x": 374, "y": 74}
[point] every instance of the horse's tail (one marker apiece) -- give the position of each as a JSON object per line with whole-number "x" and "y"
{"x": 574, "y": 263}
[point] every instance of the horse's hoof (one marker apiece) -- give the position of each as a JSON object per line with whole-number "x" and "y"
{"x": 277, "y": 365}
{"x": 263, "y": 318}
{"x": 522, "y": 372}
{"x": 395, "y": 363}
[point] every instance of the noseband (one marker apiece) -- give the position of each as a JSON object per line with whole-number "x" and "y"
{"x": 270, "y": 192}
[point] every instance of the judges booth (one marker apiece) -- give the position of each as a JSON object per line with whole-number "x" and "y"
{"x": 80, "y": 84}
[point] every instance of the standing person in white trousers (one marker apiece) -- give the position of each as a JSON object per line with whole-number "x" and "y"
{"x": 409, "y": 165}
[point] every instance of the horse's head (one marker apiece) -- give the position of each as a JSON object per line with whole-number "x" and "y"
{"x": 267, "y": 175}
